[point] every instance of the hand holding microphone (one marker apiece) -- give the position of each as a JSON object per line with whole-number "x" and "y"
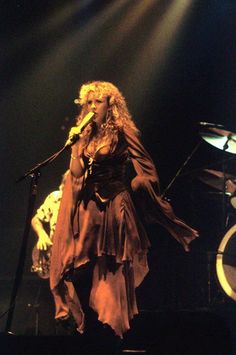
{"x": 75, "y": 132}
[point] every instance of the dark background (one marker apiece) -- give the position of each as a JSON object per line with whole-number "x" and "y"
{"x": 175, "y": 63}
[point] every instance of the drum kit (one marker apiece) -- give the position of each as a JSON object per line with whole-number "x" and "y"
{"x": 225, "y": 184}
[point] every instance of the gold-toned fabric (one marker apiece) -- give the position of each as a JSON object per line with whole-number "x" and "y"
{"x": 98, "y": 220}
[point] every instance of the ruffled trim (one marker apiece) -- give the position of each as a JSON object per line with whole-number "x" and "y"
{"x": 113, "y": 297}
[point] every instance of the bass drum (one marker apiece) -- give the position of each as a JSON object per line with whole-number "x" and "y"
{"x": 226, "y": 263}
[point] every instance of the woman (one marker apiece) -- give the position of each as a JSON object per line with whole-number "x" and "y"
{"x": 98, "y": 226}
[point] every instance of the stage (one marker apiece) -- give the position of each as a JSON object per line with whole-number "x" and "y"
{"x": 203, "y": 331}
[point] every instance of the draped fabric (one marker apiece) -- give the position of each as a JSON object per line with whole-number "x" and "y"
{"x": 98, "y": 221}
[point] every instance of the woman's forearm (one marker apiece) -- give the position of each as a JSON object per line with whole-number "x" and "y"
{"x": 76, "y": 161}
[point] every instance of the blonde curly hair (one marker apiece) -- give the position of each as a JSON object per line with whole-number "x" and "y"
{"x": 118, "y": 116}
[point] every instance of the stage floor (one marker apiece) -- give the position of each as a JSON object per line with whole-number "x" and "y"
{"x": 201, "y": 332}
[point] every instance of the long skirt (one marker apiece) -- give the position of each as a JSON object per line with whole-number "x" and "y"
{"x": 111, "y": 234}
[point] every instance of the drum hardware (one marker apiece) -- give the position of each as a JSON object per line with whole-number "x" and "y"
{"x": 224, "y": 140}
{"x": 212, "y": 258}
{"x": 219, "y": 137}
{"x": 35, "y": 306}
{"x": 226, "y": 263}
{"x": 225, "y": 183}
{"x": 179, "y": 172}
{"x": 216, "y": 135}
{"x": 215, "y": 179}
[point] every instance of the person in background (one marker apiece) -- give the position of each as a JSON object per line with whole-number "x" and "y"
{"x": 44, "y": 224}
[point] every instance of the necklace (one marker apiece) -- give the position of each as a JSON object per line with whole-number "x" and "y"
{"x": 91, "y": 151}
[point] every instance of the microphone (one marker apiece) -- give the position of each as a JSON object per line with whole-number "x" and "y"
{"x": 85, "y": 121}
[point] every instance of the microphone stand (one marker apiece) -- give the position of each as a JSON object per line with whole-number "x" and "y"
{"x": 34, "y": 173}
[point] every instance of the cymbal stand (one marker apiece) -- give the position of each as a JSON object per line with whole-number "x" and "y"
{"x": 210, "y": 256}
{"x": 224, "y": 200}
{"x": 181, "y": 168}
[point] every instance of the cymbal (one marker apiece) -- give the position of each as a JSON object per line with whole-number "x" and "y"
{"x": 218, "y": 137}
{"x": 215, "y": 179}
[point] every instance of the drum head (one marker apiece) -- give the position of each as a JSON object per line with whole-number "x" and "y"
{"x": 226, "y": 263}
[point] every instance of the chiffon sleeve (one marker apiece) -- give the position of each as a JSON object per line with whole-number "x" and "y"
{"x": 145, "y": 185}
{"x": 63, "y": 238}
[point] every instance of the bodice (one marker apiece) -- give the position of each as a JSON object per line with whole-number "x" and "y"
{"x": 106, "y": 166}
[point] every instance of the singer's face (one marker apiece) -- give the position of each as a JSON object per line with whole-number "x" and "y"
{"x": 99, "y": 105}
